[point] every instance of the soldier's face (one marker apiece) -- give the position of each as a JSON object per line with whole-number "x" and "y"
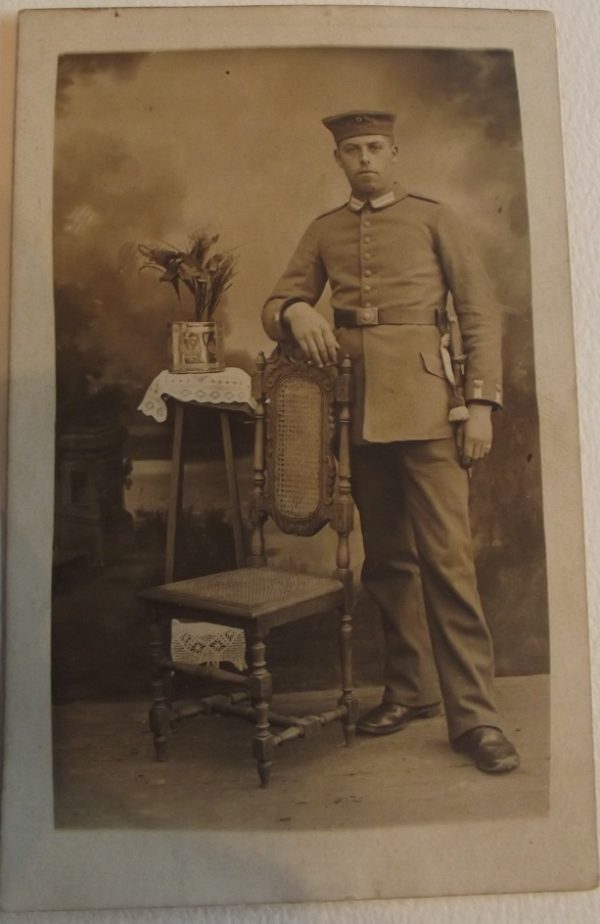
{"x": 368, "y": 162}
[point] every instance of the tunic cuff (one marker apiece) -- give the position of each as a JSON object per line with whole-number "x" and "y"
{"x": 478, "y": 390}
{"x": 273, "y": 320}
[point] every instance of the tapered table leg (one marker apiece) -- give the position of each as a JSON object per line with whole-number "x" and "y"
{"x": 175, "y": 492}
{"x": 234, "y": 494}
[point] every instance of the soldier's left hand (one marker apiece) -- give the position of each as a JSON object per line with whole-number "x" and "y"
{"x": 475, "y": 438}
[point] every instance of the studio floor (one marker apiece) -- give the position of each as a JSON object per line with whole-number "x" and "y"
{"x": 106, "y": 775}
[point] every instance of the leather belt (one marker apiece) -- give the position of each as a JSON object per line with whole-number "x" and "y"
{"x": 371, "y": 317}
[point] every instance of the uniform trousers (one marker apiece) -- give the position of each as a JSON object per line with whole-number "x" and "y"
{"x": 413, "y": 500}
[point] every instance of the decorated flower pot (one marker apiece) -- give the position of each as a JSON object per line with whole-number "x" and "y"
{"x": 197, "y": 346}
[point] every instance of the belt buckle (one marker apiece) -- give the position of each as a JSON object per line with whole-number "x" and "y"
{"x": 367, "y": 317}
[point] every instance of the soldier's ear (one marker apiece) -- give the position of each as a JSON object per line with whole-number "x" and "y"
{"x": 336, "y": 154}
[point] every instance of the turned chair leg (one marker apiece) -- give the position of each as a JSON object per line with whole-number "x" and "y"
{"x": 160, "y": 716}
{"x": 260, "y": 694}
{"x": 346, "y": 699}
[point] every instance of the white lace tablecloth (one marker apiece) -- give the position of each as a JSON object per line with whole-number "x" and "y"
{"x": 230, "y": 388}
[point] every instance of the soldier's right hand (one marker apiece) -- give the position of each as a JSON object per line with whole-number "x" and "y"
{"x": 312, "y": 333}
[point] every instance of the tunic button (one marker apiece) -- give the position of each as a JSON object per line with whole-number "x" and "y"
{"x": 367, "y": 240}
{"x": 368, "y": 272}
{"x": 368, "y": 304}
{"x": 367, "y": 288}
{"x": 367, "y": 256}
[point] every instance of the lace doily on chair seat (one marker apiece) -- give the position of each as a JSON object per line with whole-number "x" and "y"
{"x": 205, "y": 643}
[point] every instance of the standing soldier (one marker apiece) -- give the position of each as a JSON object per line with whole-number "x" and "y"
{"x": 392, "y": 258}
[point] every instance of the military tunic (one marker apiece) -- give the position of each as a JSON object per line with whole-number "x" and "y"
{"x": 398, "y": 258}
{"x": 401, "y": 253}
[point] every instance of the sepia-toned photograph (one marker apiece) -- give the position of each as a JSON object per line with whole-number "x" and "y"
{"x": 296, "y": 563}
{"x": 176, "y": 256}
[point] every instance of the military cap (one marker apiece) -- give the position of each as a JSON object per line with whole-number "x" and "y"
{"x": 360, "y": 122}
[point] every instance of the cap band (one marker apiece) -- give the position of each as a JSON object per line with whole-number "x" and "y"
{"x": 352, "y": 124}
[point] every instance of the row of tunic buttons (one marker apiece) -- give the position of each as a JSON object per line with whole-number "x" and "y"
{"x": 367, "y": 272}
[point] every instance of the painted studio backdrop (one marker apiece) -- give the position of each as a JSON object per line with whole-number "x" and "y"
{"x": 152, "y": 148}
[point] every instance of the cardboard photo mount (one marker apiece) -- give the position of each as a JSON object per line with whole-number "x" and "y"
{"x": 43, "y": 868}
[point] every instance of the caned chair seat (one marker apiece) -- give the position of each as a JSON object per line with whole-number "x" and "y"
{"x": 248, "y": 595}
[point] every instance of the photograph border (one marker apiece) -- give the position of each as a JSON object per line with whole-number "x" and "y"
{"x": 443, "y": 860}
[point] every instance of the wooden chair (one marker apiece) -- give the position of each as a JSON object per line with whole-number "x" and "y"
{"x": 302, "y": 481}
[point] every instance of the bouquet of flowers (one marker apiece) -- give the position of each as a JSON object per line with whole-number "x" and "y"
{"x": 207, "y": 275}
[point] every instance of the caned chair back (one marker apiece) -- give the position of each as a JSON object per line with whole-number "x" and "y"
{"x": 301, "y": 453}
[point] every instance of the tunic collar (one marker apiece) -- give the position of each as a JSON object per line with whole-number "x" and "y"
{"x": 379, "y": 202}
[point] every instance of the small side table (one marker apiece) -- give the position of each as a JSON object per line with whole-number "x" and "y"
{"x": 225, "y": 392}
